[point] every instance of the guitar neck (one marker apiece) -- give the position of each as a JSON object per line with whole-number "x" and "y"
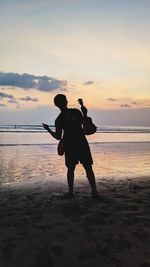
{"x": 83, "y": 108}
{"x": 84, "y": 111}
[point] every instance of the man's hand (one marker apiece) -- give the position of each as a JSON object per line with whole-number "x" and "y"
{"x": 56, "y": 135}
{"x": 46, "y": 127}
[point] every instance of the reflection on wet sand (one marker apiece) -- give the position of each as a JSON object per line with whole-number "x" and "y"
{"x": 35, "y": 163}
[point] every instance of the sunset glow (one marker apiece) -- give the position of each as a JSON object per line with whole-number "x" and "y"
{"x": 95, "y": 50}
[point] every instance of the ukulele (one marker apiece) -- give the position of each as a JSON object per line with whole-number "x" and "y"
{"x": 88, "y": 126}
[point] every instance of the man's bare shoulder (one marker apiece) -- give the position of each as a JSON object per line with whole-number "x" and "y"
{"x": 58, "y": 119}
{"x": 77, "y": 111}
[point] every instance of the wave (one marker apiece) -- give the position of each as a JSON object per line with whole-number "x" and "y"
{"x": 40, "y": 144}
{"x": 91, "y": 143}
{"x": 100, "y": 129}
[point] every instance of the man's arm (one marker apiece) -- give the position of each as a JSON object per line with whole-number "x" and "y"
{"x": 57, "y": 134}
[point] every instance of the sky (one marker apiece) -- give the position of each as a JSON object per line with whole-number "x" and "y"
{"x": 96, "y": 50}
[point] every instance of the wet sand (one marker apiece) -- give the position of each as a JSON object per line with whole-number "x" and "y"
{"x": 40, "y": 229}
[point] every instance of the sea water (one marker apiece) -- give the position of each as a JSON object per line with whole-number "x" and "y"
{"x": 35, "y": 135}
{"x": 29, "y": 153}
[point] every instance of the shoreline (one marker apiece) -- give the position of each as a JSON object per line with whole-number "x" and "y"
{"x": 91, "y": 143}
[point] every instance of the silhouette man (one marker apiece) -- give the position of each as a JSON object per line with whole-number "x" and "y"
{"x": 69, "y": 124}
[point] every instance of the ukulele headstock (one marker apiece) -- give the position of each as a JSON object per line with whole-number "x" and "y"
{"x": 80, "y": 102}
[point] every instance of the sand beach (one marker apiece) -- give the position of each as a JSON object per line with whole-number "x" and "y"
{"x": 38, "y": 228}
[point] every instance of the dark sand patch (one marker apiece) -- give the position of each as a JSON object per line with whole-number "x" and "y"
{"x": 40, "y": 229}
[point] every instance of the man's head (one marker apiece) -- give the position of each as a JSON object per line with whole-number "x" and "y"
{"x": 60, "y": 101}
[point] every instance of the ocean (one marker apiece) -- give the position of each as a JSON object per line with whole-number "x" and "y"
{"x": 28, "y": 155}
{"x": 13, "y": 135}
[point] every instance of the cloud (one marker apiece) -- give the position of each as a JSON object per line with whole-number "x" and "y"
{"x": 2, "y": 105}
{"x": 28, "y": 81}
{"x": 125, "y": 106}
{"x": 112, "y": 99}
{"x": 87, "y": 83}
{"x": 13, "y": 101}
{"x": 28, "y": 98}
{"x": 4, "y": 95}
{"x": 11, "y": 98}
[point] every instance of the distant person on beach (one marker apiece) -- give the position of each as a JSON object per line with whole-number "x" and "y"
{"x": 69, "y": 124}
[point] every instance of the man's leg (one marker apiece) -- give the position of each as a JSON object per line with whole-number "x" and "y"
{"x": 70, "y": 179}
{"x": 91, "y": 178}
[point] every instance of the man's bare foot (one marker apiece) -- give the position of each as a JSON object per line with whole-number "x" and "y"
{"x": 68, "y": 195}
{"x": 96, "y": 196}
